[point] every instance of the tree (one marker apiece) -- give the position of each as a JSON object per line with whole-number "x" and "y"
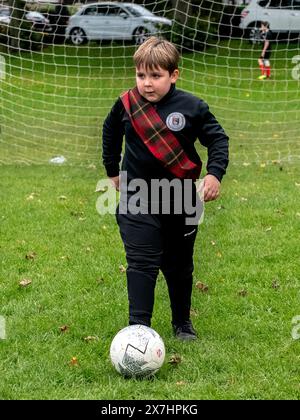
{"x": 182, "y": 9}
{"x": 15, "y": 26}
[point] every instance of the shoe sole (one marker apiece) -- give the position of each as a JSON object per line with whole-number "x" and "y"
{"x": 186, "y": 338}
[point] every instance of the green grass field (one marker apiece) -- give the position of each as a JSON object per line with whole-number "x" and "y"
{"x": 59, "y": 327}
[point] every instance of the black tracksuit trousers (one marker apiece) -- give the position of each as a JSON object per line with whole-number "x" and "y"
{"x": 154, "y": 242}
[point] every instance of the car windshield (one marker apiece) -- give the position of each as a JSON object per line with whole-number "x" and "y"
{"x": 34, "y": 15}
{"x": 4, "y": 12}
{"x": 139, "y": 11}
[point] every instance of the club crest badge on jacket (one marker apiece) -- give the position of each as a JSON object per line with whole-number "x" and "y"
{"x": 176, "y": 121}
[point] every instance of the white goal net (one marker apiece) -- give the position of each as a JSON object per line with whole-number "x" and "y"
{"x": 60, "y": 72}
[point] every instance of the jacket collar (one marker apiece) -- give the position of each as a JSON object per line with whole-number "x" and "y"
{"x": 168, "y": 95}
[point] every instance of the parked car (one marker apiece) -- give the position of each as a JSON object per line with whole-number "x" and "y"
{"x": 39, "y": 22}
{"x": 113, "y": 21}
{"x": 4, "y": 15}
{"x": 282, "y": 15}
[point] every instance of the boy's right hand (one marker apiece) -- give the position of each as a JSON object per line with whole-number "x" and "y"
{"x": 211, "y": 188}
{"x": 115, "y": 182}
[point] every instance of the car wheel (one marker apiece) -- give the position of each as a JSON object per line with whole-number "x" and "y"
{"x": 78, "y": 36}
{"x": 253, "y": 33}
{"x": 140, "y": 35}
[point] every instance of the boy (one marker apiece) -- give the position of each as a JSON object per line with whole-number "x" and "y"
{"x": 161, "y": 125}
{"x": 263, "y": 61}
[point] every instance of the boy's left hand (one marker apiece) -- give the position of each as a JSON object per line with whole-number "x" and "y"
{"x": 211, "y": 188}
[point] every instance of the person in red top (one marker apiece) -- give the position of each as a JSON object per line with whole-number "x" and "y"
{"x": 161, "y": 125}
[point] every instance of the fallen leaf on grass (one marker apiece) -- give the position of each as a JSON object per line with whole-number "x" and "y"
{"x": 74, "y": 361}
{"x": 122, "y": 269}
{"x": 100, "y": 188}
{"x": 231, "y": 380}
{"x": 279, "y": 211}
{"x": 175, "y": 359}
{"x": 193, "y": 312}
{"x": 275, "y": 284}
{"x": 76, "y": 213}
{"x": 30, "y": 256}
{"x": 25, "y": 282}
{"x": 180, "y": 383}
{"x": 64, "y": 328}
{"x": 201, "y": 286}
{"x": 31, "y": 196}
{"x": 90, "y": 338}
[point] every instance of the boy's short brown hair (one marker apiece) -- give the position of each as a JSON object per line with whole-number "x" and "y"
{"x": 266, "y": 24}
{"x": 155, "y": 53}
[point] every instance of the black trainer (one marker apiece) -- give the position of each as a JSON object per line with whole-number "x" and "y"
{"x": 185, "y": 331}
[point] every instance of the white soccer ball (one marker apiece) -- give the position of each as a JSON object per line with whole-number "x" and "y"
{"x": 137, "y": 351}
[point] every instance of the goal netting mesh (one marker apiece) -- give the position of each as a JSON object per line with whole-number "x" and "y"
{"x": 55, "y": 92}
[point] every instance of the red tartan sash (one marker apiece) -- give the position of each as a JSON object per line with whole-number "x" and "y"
{"x": 158, "y": 138}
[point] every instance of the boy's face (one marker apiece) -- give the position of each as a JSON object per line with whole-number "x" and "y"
{"x": 263, "y": 28}
{"x": 154, "y": 84}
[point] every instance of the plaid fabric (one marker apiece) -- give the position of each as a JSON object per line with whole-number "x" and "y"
{"x": 157, "y": 137}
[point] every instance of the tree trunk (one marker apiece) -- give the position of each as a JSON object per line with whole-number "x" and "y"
{"x": 181, "y": 10}
{"x": 17, "y": 16}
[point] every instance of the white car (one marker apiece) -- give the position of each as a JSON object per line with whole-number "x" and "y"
{"x": 113, "y": 21}
{"x": 282, "y": 15}
{"x": 5, "y": 15}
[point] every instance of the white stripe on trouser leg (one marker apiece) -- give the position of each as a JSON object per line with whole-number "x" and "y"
{"x": 190, "y": 233}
